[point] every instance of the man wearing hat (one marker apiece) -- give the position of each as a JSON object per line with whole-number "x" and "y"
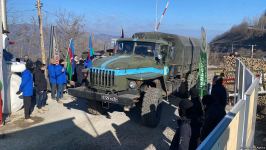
{"x": 183, "y": 132}
{"x": 214, "y": 113}
{"x": 26, "y": 88}
{"x": 196, "y": 117}
{"x": 219, "y": 92}
{"x": 40, "y": 86}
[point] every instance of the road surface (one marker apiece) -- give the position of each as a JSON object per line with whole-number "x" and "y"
{"x": 68, "y": 126}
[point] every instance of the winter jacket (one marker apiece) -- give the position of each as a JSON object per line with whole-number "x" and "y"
{"x": 196, "y": 116}
{"x": 26, "y": 86}
{"x": 182, "y": 136}
{"x": 60, "y": 73}
{"x": 214, "y": 113}
{"x": 51, "y": 74}
{"x": 80, "y": 74}
{"x": 88, "y": 63}
{"x": 219, "y": 94}
{"x": 39, "y": 80}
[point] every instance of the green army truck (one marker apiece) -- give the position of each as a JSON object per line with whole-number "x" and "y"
{"x": 144, "y": 69}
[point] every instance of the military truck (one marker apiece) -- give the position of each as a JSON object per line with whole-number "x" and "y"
{"x": 144, "y": 69}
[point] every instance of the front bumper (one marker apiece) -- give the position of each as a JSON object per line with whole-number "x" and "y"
{"x": 84, "y": 92}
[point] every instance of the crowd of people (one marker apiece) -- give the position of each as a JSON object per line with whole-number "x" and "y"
{"x": 199, "y": 117}
{"x": 34, "y": 83}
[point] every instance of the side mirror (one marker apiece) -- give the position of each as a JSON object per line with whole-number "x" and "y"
{"x": 160, "y": 56}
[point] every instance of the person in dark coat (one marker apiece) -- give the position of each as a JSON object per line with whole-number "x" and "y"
{"x": 196, "y": 116}
{"x": 40, "y": 86}
{"x": 183, "y": 132}
{"x": 219, "y": 92}
{"x": 214, "y": 113}
{"x": 26, "y": 88}
{"x": 52, "y": 78}
{"x": 80, "y": 74}
{"x": 74, "y": 68}
{"x": 60, "y": 80}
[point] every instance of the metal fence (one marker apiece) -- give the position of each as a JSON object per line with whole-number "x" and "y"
{"x": 236, "y": 130}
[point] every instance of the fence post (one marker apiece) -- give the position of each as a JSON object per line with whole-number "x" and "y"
{"x": 243, "y": 82}
{"x": 244, "y": 138}
{"x": 254, "y": 112}
{"x": 1, "y": 105}
{"x": 236, "y": 85}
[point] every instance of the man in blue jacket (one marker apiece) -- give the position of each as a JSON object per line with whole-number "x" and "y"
{"x": 26, "y": 87}
{"x": 60, "y": 80}
{"x": 52, "y": 78}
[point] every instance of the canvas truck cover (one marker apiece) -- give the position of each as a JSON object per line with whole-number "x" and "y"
{"x": 186, "y": 49}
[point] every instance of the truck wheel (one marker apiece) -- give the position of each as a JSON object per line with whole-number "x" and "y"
{"x": 150, "y": 110}
{"x": 94, "y": 108}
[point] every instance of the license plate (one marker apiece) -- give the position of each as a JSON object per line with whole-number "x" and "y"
{"x": 111, "y": 98}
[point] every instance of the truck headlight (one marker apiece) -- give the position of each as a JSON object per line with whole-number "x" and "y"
{"x": 132, "y": 84}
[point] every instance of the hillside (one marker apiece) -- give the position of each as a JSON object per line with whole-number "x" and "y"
{"x": 26, "y": 38}
{"x": 241, "y": 37}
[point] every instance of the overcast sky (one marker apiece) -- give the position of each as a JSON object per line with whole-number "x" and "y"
{"x": 184, "y": 17}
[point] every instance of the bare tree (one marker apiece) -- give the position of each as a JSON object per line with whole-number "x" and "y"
{"x": 69, "y": 26}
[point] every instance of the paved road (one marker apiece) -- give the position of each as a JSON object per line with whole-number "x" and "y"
{"x": 68, "y": 126}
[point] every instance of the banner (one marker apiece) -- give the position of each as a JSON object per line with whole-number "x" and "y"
{"x": 203, "y": 65}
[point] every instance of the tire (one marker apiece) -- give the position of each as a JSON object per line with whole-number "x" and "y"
{"x": 94, "y": 108}
{"x": 151, "y": 108}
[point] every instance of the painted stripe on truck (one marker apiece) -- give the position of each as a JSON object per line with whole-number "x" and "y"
{"x": 124, "y": 72}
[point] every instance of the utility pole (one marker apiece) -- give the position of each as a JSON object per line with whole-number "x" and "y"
{"x": 38, "y": 6}
{"x": 252, "y": 49}
{"x": 232, "y": 48}
{"x": 4, "y": 18}
{"x": 252, "y": 53}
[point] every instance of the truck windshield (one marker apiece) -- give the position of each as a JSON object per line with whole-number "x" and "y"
{"x": 141, "y": 48}
{"x": 125, "y": 47}
{"x": 144, "y": 48}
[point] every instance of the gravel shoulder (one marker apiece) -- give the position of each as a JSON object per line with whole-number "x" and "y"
{"x": 68, "y": 126}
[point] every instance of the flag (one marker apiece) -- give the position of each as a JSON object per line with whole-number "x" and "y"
{"x": 70, "y": 60}
{"x": 202, "y": 76}
{"x": 72, "y": 47}
{"x": 122, "y": 33}
{"x": 88, "y": 62}
{"x": 91, "y": 50}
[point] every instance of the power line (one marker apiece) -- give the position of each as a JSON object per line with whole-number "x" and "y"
{"x": 19, "y": 11}
{"x": 48, "y": 12}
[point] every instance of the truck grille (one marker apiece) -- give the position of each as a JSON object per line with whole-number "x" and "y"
{"x": 100, "y": 77}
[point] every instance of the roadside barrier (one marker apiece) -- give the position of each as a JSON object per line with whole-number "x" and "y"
{"x": 1, "y": 105}
{"x": 236, "y": 130}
